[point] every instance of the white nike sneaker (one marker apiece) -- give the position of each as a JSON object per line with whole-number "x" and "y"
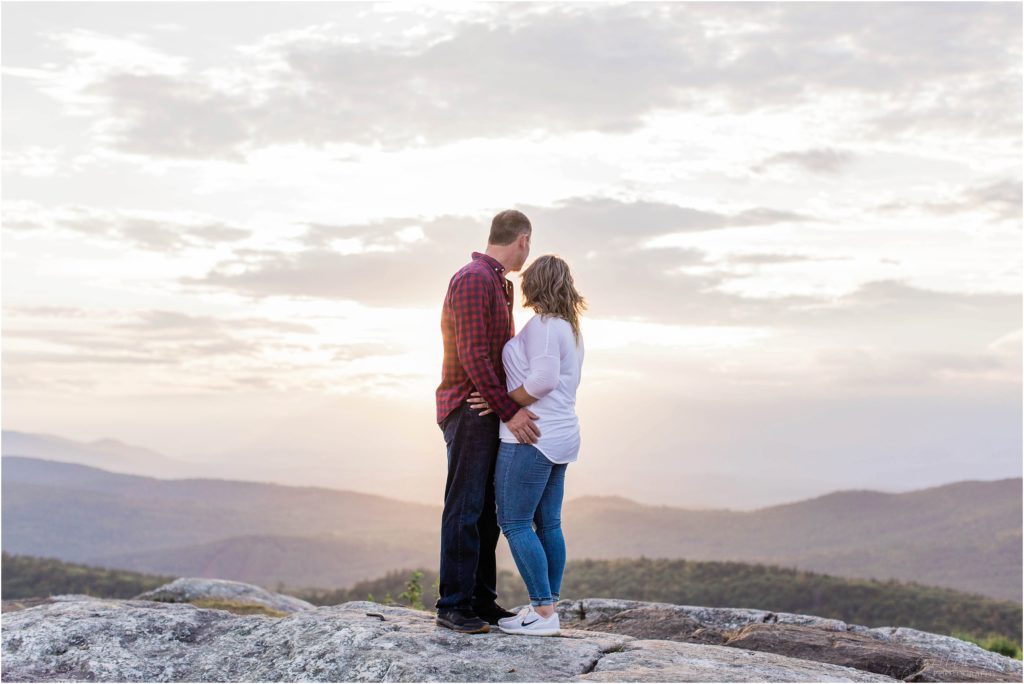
{"x": 513, "y": 619}
{"x": 529, "y": 621}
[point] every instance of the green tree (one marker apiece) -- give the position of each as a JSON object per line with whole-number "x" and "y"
{"x": 413, "y": 591}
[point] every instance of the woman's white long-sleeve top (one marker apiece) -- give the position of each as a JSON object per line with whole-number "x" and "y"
{"x": 545, "y": 359}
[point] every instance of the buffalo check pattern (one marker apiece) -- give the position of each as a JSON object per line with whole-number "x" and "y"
{"x": 476, "y": 322}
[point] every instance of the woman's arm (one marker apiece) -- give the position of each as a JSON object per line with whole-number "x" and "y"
{"x": 543, "y": 354}
{"x": 542, "y": 377}
{"x": 518, "y": 395}
{"x": 521, "y": 396}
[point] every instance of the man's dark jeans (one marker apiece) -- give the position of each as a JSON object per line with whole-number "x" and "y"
{"x": 469, "y": 524}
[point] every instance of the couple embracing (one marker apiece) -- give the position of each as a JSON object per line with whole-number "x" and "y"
{"x": 506, "y": 405}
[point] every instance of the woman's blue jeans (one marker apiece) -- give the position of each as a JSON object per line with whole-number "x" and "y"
{"x": 528, "y": 489}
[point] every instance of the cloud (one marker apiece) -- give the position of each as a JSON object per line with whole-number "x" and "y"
{"x": 604, "y": 221}
{"x": 149, "y": 231}
{"x": 115, "y": 351}
{"x": 826, "y": 160}
{"x": 773, "y": 258}
{"x": 563, "y": 68}
{"x": 603, "y": 241}
{"x": 383, "y": 272}
{"x": 37, "y": 161}
{"x": 153, "y": 336}
{"x": 983, "y": 106}
{"x": 351, "y": 352}
{"x": 173, "y": 324}
{"x": 858, "y": 368}
{"x": 1001, "y": 199}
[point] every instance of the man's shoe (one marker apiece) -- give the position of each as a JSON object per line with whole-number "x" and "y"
{"x": 492, "y": 613}
{"x": 465, "y": 621}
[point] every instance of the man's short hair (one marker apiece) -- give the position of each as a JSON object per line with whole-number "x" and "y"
{"x": 508, "y": 225}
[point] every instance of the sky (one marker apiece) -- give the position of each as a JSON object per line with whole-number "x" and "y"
{"x": 228, "y": 229}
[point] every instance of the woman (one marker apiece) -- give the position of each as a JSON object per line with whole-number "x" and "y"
{"x": 542, "y": 365}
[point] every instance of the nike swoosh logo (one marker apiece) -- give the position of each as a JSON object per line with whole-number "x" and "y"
{"x": 527, "y": 624}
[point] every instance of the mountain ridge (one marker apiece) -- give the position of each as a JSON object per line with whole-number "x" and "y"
{"x": 111, "y": 454}
{"x": 963, "y": 536}
{"x": 616, "y": 499}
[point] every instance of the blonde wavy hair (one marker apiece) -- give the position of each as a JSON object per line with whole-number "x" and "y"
{"x": 549, "y": 290}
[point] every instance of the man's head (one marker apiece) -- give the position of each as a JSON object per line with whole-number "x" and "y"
{"x": 509, "y": 241}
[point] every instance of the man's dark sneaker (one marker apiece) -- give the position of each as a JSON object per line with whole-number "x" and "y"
{"x": 492, "y": 613}
{"x": 462, "y": 621}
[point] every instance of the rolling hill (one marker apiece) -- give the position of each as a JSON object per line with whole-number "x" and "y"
{"x": 964, "y": 535}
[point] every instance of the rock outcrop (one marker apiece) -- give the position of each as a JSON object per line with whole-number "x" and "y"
{"x": 74, "y": 637}
{"x": 898, "y": 652}
{"x": 187, "y": 589}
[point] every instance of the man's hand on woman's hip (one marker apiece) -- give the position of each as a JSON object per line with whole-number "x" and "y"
{"x": 522, "y": 426}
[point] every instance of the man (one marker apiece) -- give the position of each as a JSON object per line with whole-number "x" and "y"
{"x": 476, "y": 322}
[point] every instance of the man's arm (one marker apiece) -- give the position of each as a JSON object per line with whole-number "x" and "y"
{"x": 471, "y": 306}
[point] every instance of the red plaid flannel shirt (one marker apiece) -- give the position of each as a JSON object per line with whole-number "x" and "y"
{"x": 476, "y": 322}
